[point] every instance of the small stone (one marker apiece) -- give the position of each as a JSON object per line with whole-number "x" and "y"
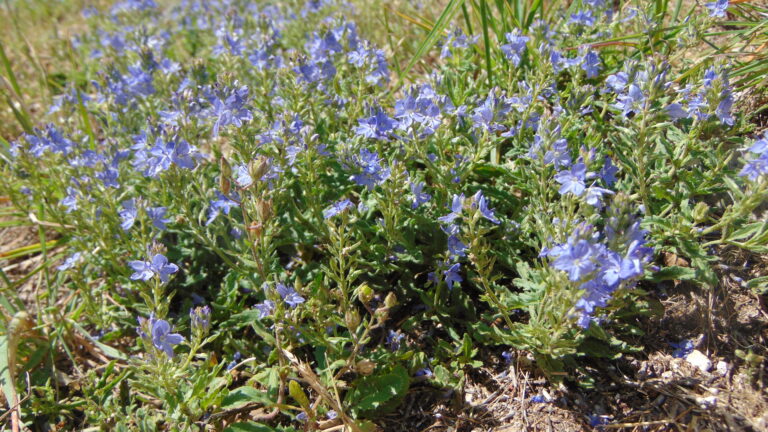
{"x": 722, "y": 368}
{"x": 698, "y": 359}
{"x": 707, "y": 402}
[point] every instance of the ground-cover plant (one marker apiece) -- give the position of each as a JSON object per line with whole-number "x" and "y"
{"x": 259, "y": 216}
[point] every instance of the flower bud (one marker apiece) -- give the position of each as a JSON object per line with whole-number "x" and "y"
{"x": 365, "y": 293}
{"x": 391, "y": 300}
{"x": 226, "y": 173}
{"x": 365, "y": 367}
{"x": 264, "y": 210}
{"x": 352, "y": 319}
{"x": 201, "y": 319}
{"x": 258, "y": 167}
{"x": 700, "y": 212}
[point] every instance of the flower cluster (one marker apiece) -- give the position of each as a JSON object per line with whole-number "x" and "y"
{"x": 600, "y": 262}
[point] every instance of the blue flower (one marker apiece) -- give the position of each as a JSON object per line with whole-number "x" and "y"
{"x": 584, "y": 18}
{"x": 128, "y": 214}
{"x": 265, "y": 308}
{"x": 594, "y": 196}
{"x": 157, "y": 215}
{"x": 162, "y": 268}
{"x": 163, "y": 339}
{"x": 755, "y": 168}
{"x": 393, "y": 340}
{"x": 576, "y": 259}
{"x": 456, "y": 39}
{"x": 723, "y": 110}
{"x": 492, "y": 112}
{"x": 452, "y": 275}
{"x": 311, "y": 71}
{"x": 372, "y": 171}
{"x": 457, "y": 205}
{"x": 516, "y": 46}
{"x": 70, "y": 261}
{"x": 337, "y": 208}
{"x": 558, "y": 155}
{"x": 222, "y": 204}
{"x": 377, "y": 126}
{"x": 631, "y": 102}
{"x": 109, "y": 177}
{"x": 717, "y": 8}
{"x": 228, "y": 43}
{"x": 229, "y": 108}
{"x": 456, "y": 247}
{"x": 761, "y": 145}
{"x": 608, "y": 172}
{"x": 419, "y": 197}
{"x": 676, "y": 111}
{"x": 572, "y": 181}
{"x": 145, "y": 270}
{"x": 482, "y": 203}
{"x": 289, "y": 295}
{"x": 421, "y": 110}
{"x": 379, "y": 75}
{"x": 142, "y": 270}
{"x": 70, "y": 200}
{"x": 591, "y": 64}
{"x": 617, "y": 82}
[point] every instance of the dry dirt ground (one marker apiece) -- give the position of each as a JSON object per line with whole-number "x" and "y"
{"x": 650, "y": 391}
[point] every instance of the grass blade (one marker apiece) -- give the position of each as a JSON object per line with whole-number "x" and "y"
{"x": 442, "y": 22}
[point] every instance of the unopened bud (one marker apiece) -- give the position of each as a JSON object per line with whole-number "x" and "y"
{"x": 201, "y": 319}
{"x": 391, "y": 300}
{"x": 365, "y": 367}
{"x": 352, "y": 318}
{"x": 264, "y": 210}
{"x": 258, "y": 167}
{"x": 700, "y": 212}
{"x": 365, "y": 294}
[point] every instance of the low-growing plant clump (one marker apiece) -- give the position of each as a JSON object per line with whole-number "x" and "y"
{"x": 263, "y": 216}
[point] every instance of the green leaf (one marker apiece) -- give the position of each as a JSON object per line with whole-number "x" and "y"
{"x": 673, "y": 273}
{"x": 245, "y": 395}
{"x": 256, "y": 427}
{"x": 251, "y": 316}
{"x": 747, "y": 231}
{"x": 759, "y": 284}
{"x": 378, "y": 392}
{"x": 6, "y": 380}
{"x": 108, "y": 350}
{"x": 297, "y": 393}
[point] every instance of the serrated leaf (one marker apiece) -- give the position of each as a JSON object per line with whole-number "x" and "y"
{"x": 373, "y": 392}
{"x": 245, "y": 395}
{"x": 673, "y": 273}
{"x": 747, "y": 231}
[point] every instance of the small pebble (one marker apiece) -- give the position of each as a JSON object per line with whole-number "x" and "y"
{"x": 722, "y": 368}
{"x": 707, "y": 402}
{"x": 698, "y": 359}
